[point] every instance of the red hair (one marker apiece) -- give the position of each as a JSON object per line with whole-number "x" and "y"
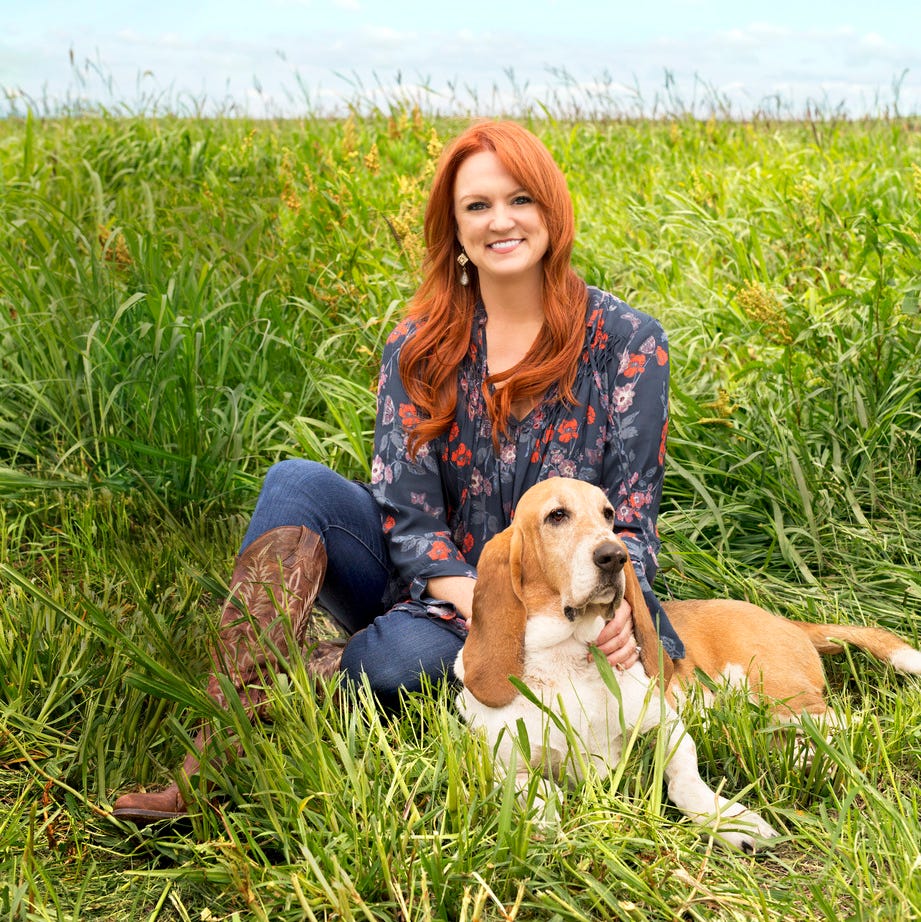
{"x": 443, "y": 308}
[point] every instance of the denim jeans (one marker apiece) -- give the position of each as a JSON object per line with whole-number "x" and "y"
{"x": 393, "y": 645}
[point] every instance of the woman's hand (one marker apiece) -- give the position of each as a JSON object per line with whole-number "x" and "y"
{"x": 455, "y": 589}
{"x": 616, "y": 640}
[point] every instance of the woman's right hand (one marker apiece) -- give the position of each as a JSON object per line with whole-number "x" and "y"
{"x": 616, "y": 640}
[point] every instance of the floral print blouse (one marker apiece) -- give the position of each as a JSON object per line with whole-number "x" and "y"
{"x": 439, "y": 509}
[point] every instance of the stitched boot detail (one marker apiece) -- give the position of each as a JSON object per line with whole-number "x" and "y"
{"x": 274, "y": 585}
{"x": 324, "y": 659}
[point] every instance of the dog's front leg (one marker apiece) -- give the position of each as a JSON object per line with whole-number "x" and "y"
{"x": 545, "y": 797}
{"x": 732, "y": 822}
{"x": 534, "y": 790}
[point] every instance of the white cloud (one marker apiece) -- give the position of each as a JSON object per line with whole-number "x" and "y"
{"x": 767, "y": 30}
{"x": 873, "y": 40}
{"x": 739, "y": 37}
{"x": 377, "y": 37}
{"x": 745, "y": 64}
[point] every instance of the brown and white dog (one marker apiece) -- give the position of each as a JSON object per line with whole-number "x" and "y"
{"x": 546, "y": 585}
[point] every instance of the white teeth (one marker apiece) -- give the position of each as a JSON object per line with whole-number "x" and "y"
{"x": 504, "y": 245}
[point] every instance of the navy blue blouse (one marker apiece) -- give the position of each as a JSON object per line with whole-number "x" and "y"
{"x": 440, "y": 508}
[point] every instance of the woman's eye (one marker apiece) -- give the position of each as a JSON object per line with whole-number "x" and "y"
{"x": 476, "y": 206}
{"x": 522, "y": 200}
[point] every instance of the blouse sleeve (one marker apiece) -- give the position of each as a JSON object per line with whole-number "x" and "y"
{"x": 637, "y": 423}
{"x": 410, "y": 492}
{"x": 634, "y": 464}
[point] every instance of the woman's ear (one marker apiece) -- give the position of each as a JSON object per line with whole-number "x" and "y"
{"x": 494, "y": 649}
{"x": 644, "y": 629}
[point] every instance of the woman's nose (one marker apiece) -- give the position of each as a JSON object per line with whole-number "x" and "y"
{"x": 502, "y": 217}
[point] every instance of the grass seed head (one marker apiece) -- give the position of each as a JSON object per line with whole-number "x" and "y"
{"x": 764, "y": 308}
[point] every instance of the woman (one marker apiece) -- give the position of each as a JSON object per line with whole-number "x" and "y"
{"x": 507, "y": 370}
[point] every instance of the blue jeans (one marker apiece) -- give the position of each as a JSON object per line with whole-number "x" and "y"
{"x": 393, "y": 645}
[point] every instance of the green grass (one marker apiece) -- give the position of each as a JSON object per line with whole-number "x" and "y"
{"x": 183, "y": 301}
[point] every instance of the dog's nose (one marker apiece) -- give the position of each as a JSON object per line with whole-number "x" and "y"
{"x": 610, "y": 557}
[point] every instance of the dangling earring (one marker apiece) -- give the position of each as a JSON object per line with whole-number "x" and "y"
{"x": 462, "y": 260}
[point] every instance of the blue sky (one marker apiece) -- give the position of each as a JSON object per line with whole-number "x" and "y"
{"x": 267, "y": 56}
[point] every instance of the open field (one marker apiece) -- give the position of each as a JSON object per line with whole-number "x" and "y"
{"x": 183, "y": 301}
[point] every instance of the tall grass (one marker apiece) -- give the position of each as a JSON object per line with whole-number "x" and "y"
{"x": 183, "y": 301}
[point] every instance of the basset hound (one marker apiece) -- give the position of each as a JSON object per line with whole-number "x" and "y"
{"x": 546, "y": 585}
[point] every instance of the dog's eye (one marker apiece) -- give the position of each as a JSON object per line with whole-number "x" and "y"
{"x": 556, "y": 516}
{"x": 608, "y": 515}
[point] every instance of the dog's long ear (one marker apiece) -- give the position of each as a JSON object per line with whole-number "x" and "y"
{"x": 494, "y": 649}
{"x": 644, "y": 628}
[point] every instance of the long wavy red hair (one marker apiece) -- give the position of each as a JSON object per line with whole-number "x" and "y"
{"x": 443, "y": 308}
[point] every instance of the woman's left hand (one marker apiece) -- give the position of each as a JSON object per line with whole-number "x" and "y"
{"x": 616, "y": 640}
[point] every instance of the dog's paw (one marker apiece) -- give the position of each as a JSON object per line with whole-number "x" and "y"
{"x": 745, "y": 831}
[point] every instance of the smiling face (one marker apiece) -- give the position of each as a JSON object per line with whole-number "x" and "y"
{"x": 499, "y": 224}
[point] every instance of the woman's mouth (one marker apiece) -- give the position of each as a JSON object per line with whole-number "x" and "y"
{"x": 504, "y": 246}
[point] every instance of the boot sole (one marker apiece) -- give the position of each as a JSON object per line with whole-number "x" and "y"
{"x": 148, "y": 816}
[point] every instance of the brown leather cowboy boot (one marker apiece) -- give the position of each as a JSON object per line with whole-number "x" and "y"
{"x": 274, "y": 585}
{"x": 165, "y": 804}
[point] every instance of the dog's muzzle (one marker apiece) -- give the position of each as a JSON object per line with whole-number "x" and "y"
{"x": 609, "y": 559}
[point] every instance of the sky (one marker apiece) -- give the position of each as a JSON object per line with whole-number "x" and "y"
{"x": 282, "y": 57}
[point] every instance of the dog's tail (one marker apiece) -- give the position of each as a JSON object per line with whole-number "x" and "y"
{"x": 884, "y": 645}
